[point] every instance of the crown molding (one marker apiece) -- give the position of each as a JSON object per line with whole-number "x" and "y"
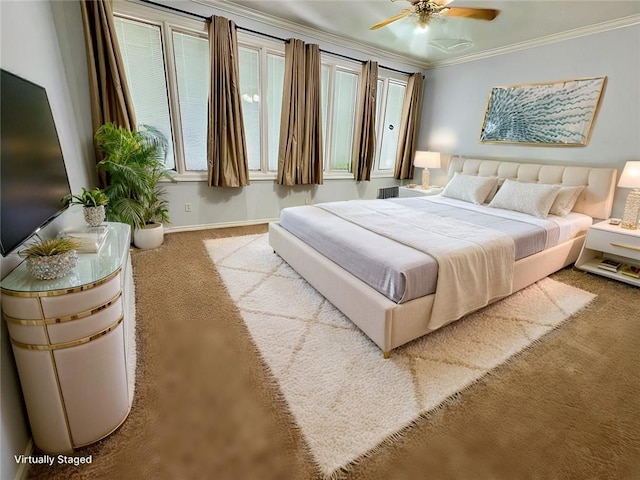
{"x": 538, "y": 42}
{"x": 379, "y": 54}
{"x": 319, "y": 35}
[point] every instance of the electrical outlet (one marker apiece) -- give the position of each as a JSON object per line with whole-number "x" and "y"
{"x": 187, "y": 207}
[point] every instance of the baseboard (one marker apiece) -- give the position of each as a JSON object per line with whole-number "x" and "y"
{"x": 244, "y": 223}
{"x": 23, "y": 469}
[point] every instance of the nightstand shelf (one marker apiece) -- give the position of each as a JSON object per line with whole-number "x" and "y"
{"x": 610, "y": 241}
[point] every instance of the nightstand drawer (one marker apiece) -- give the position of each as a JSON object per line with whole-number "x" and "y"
{"x": 614, "y": 243}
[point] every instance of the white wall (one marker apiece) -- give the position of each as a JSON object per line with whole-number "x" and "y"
{"x": 33, "y": 49}
{"x": 456, "y": 98}
{"x": 260, "y": 201}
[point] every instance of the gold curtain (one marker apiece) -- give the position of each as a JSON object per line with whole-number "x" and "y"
{"x": 409, "y": 127}
{"x": 110, "y": 96}
{"x": 300, "y": 151}
{"x": 227, "y": 158}
{"x": 364, "y": 145}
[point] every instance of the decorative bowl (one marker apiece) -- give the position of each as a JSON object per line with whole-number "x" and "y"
{"x": 54, "y": 266}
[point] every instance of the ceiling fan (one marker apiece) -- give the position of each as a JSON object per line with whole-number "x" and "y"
{"x": 425, "y": 10}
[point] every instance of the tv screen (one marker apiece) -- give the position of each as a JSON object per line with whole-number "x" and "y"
{"x": 33, "y": 176}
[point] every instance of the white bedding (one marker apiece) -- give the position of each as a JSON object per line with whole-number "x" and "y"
{"x": 400, "y": 271}
{"x": 475, "y": 264}
{"x": 569, "y": 226}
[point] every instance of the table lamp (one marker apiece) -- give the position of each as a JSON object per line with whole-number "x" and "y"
{"x": 630, "y": 178}
{"x": 426, "y": 160}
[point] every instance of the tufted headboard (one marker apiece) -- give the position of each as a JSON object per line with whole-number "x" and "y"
{"x": 596, "y": 200}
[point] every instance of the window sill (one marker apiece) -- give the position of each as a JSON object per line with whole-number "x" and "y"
{"x": 190, "y": 177}
{"x": 381, "y": 175}
{"x": 202, "y": 177}
{"x": 269, "y": 177}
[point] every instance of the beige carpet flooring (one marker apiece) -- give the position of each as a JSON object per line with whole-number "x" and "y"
{"x": 206, "y": 408}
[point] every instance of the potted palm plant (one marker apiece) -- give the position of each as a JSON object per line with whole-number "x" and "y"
{"x": 93, "y": 203}
{"x": 134, "y": 162}
{"x": 50, "y": 259}
{"x": 155, "y": 215}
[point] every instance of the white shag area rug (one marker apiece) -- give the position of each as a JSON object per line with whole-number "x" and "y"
{"x": 347, "y": 399}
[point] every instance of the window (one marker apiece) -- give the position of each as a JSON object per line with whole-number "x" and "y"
{"x": 249, "y": 67}
{"x": 275, "y": 82}
{"x": 340, "y": 93}
{"x": 379, "y": 98}
{"x": 144, "y": 66}
{"x": 388, "y": 129}
{"x": 191, "y": 56}
{"x": 166, "y": 61}
{"x": 344, "y": 99}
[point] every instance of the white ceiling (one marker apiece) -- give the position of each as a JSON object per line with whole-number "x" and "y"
{"x": 519, "y": 22}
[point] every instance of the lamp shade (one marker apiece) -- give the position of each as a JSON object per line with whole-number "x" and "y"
{"x": 428, "y": 160}
{"x": 630, "y": 177}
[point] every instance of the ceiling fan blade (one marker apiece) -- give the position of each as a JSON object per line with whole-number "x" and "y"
{"x": 477, "y": 13}
{"x": 386, "y": 22}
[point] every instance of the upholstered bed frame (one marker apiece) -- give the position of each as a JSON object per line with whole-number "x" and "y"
{"x": 390, "y": 324}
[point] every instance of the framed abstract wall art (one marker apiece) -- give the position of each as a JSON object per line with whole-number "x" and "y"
{"x": 543, "y": 114}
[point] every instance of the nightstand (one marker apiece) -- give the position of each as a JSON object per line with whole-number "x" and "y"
{"x": 610, "y": 241}
{"x": 418, "y": 191}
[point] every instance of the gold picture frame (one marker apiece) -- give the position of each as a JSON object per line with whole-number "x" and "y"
{"x": 557, "y": 114}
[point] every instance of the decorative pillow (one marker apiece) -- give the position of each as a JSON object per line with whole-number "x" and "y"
{"x": 469, "y": 188}
{"x": 566, "y": 199}
{"x": 532, "y": 198}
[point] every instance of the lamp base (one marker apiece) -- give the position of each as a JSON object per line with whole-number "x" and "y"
{"x": 425, "y": 179}
{"x": 631, "y": 211}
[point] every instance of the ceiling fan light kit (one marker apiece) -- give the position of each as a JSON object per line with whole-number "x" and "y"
{"x": 426, "y": 10}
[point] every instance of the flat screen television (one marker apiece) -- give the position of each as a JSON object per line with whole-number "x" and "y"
{"x": 33, "y": 176}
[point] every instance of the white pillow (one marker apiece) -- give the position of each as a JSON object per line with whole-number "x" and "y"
{"x": 566, "y": 199}
{"x": 469, "y": 188}
{"x": 532, "y": 198}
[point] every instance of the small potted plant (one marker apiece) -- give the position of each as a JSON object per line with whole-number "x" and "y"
{"x": 155, "y": 214}
{"x": 50, "y": 259}
{"x": 93, "y": 202}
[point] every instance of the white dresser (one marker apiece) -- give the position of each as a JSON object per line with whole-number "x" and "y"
{"x": 73, "y": 342}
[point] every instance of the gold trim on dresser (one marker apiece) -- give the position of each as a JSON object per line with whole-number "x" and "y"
{"x": 69, "y": 318}
{"x": 106, "y": 434}
{"x": 57, "y": 378}
{"x": 73, "y": 343}
{"x": 54, "y": 293}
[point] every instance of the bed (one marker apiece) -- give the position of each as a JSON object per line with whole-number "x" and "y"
{"x": 384, "y": 265}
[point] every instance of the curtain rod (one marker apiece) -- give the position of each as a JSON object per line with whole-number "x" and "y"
{"x": 273, "y": 37}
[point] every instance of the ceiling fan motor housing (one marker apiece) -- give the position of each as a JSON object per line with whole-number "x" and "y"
{"x": 426, "y": 9}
